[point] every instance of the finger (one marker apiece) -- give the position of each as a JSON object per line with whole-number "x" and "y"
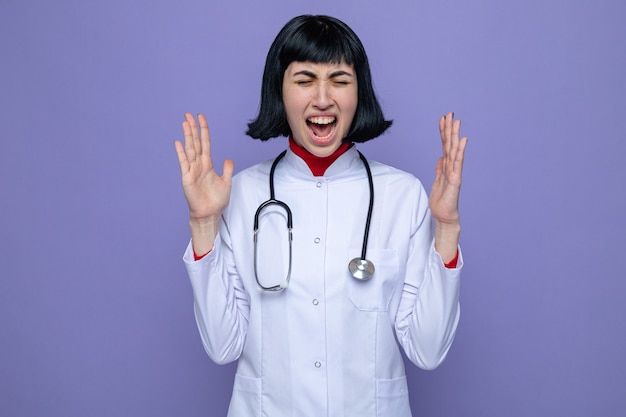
{"x": 449, "y": 128}
{"x": 456, "y": 166}
{"x": 438, "y": 169}
{"x": 194, "y": 132}
{"x": 189, "y": 143}
{"x": 460, "y": 156}
{"x": 445, "y": 127}
{"x": 204, "y": 128}
{"x": 445, "y": 132}
{"x": 442, "y": 130}
{"x": 182, "y": 157}
{"x": 442, "y": 134}
{"x": 454, "y": 139}
{"x": 205, "y": 140}
{"x": 192, "y": 123}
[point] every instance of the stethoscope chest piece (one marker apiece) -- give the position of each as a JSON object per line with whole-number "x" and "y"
{"x": 361, "y": 269}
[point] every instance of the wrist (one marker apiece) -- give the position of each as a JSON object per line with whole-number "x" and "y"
{"x": 447, "y": 240}
{"x": 203, "y": 233}
{"x": 209, "y": 222}
{"x": 447, "y": 228}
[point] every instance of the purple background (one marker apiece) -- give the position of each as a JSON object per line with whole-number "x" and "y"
{"x": 95, "y": 308}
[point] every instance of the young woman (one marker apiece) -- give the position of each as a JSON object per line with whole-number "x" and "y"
{"x": 315, "y": 269}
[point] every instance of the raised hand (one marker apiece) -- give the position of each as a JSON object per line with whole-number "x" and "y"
{"x": 444, "y": 195}
{"x": 206, "y": 192}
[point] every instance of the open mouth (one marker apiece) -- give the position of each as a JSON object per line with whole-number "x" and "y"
{"x": 322, "y": 127}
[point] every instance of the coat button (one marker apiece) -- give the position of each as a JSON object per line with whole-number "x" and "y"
{"x": 315, "y": 301}
{"x": 316, "y": 240}
{"x": 318, "y": 185}
{"x": 318, "y": 364}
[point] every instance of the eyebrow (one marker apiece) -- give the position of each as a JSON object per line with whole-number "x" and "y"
{"x": 333, "y": 74}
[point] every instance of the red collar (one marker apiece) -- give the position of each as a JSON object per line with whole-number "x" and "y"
{"x": 317, "y": 164}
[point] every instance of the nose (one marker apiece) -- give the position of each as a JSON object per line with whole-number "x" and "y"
{"x": 322, "y": 96}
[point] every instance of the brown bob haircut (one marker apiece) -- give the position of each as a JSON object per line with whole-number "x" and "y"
{"x": 316, "y": 39}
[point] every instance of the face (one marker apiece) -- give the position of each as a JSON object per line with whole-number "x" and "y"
{"x": 320, "y": 102}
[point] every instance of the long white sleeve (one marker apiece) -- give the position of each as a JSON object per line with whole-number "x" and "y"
{"x": 220, "y": 304}
{"x": 428, "y": 315}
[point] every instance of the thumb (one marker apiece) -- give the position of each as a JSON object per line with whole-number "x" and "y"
{"x": 227, "y": 169}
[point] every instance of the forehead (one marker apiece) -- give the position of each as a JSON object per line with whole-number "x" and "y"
{"x": 318, "y": 68}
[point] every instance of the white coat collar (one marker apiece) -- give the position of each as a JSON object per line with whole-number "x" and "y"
{"x": 341, "y": 166}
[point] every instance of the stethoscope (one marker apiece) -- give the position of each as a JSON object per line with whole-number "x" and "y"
{"x": 360, "y": 268}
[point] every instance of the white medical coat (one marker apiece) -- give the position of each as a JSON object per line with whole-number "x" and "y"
{"x": 328, "y": 345}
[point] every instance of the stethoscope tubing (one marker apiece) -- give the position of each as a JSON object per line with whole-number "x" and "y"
{"x": 370, "y": 208}
{"x": 360, "y": 268}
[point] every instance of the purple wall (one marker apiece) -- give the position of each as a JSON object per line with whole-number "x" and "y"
{"x": 95, "y": 307}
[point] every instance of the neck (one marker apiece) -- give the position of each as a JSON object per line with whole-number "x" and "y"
{"x": 317, "y": 164}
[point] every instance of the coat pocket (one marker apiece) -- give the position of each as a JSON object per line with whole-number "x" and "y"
{"x": 375, "y": 293}
{"x": 392, "y": 398}
{"x": 246, "y": 399}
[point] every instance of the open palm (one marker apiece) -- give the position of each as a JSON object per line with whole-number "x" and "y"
{"x": 444, "y": 195}
{"x": 206, "y": 192}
